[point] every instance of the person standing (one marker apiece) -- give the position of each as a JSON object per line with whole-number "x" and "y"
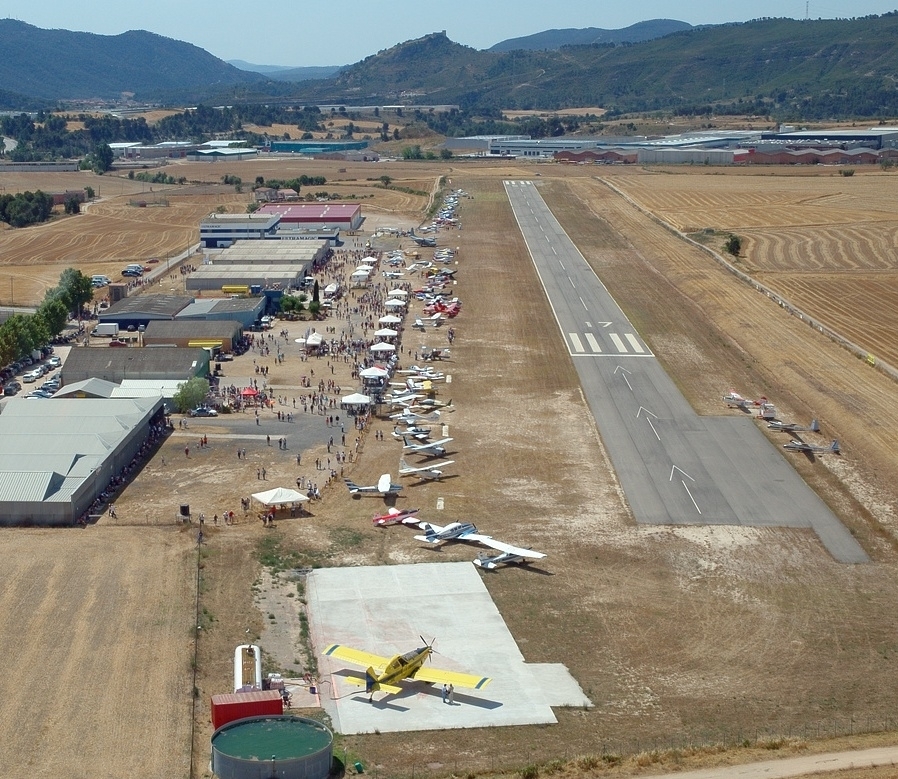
{"x": 445, "y": 693}
{"x": 451, "y": 697}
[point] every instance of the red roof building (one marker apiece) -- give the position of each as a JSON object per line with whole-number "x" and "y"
{"x": 346, "y": 216}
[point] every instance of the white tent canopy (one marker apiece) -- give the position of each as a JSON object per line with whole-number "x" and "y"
{"x": 390, "y": 319}
{"x": 394, "y": 303}
{"x": 383, "y": 347}
{"x": 374, "y": 373}
{"x": 279, "y": 495}
{"x": 399, "y": 293}
{"x": 360, "y": 274}
{"x": 386, "y": 332}
{"x": 356, "y": 399}
{"x": 315, "y": 339}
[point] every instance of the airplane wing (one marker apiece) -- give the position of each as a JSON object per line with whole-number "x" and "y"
{"x": 509, "y": 549}
{"x": 438, "y": 676}
{"x": 356, "y": 656}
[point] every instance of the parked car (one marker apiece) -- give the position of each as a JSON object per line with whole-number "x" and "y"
{"x": 203, "y": 411}
{"x": 54, "y": 362}
{"x": 11, "y": 389}
{"x": 32, "y": 376}
{"x": 118, "y": 342}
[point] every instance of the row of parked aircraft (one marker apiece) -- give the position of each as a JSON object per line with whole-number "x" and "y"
{"x": 767, "y": 411}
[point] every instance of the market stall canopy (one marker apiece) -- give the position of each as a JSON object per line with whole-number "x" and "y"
{"x": 374, "y": 373}
{"x": 330, "y": 289}
{"x": 314, "y": 339}
{"x": 279, "y": 495}
{"x": 390, "y": 319}
{"x": 386, "y": 332}
{"x": 356, "y": 399}
{"x": 249, "y": 392}
{"x": 399, "y": 293}
{"x": 394, "y": 303}
{"x": 360, "y": 274}
{"x": 383, "y": 347}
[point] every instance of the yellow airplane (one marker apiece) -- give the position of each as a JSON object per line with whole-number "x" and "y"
{"x": 384, "y": 671}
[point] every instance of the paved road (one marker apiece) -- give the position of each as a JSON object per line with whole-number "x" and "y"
{"x": 674, "y": 466}
{"x": 794, "y": 766}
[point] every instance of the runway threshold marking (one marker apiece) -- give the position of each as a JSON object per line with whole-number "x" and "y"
{"x": 637, "y": 347}
{"x": 593, "y": 343}
{"x": 575, "y": 340}
{"x": 616, "y": 340}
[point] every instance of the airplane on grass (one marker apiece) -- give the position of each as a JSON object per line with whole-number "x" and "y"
{"x": 454, "y": 531}
{"x": 423, "y": 240}
{"x": 802, "y": 446}
{"x": 435, "y": 449}
{"x": 425, "y": 471}
{"x": 383, "y": 672}
{"x": 465, "y": 531}
{"x": 792, "y": 427}
{"x": 384, "y": 486}
{"x": 396, "y": 516}
{"x": 411, "y": 418}
{"x": 507, "y": 554}
{"x": 734, "y": 400}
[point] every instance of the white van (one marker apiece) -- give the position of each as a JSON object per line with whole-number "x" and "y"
{"x": 100, "y": 281}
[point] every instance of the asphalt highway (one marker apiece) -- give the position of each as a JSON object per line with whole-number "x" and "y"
{"x": 675, "y": 467}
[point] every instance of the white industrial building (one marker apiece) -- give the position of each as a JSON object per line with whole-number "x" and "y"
{"x": 58, "y": 457}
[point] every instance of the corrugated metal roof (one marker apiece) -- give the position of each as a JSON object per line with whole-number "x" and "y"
{"x": 48, "y": 448}
{"x": 193, "y": 328}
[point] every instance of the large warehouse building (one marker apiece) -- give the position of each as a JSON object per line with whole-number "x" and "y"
{"x": 345, "y": 216}
{"x": 57, "y": 457}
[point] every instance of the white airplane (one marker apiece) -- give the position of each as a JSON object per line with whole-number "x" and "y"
{"x": 393, "y": 274}
{"x": 409, "y": 417}
{"x": 384, "y": 486}
{"x": 424, "y": 472}
{"x": 734, "y": 400}
{"x": 792, "y": 427}
{"x": 406, "y": 400}
{"x": 435, "y": 449}
{"x": 507, "y": 554}
{"x": 454, "y": 531}
{"x": 802, "y": 446}
{"x": 412, "y": 431}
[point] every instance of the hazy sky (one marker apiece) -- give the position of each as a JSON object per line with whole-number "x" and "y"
{"x": 305, "y": 32}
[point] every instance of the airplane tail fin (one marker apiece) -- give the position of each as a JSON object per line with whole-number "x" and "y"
{"x": 835, "y": 448}
{"x": 370, "y": 680}
{"x": 403, "y": 464}
{"x": 351, "y": 485}
{"x": 814, "y": 426}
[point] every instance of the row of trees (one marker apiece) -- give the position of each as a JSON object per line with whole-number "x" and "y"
{"x": 25, "y": 208}
{"x": 23, "y": 333}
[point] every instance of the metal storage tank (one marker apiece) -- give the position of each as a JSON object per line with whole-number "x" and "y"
{"x": 284, "y": 747}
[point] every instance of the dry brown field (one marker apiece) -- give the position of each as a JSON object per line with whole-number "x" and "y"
{"x": 678, "y": 635}
{"x": 96, "y": 631}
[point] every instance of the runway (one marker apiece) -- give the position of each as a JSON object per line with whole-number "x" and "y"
{"x": 675, "y": 466}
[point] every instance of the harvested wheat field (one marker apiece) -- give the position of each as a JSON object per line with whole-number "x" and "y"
{"x": 678, "y": 635}
{"x": 96, "y": 630}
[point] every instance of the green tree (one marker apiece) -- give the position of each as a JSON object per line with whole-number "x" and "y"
{"x": 100, "y": 159}
{"x": 386, "y": 180}
{"x": 72, "y": 206}
{"x": 191, "y": 394}
{"x": 733, "y": 245}
{"x": 445, "y": 154}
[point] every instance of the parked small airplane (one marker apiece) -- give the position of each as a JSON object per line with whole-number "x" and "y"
{"x": 396, "y": 517}
{"x": 792, "y": 427}
{"x": 409, "y": 417}
{"x": 734, "y": 400}
{"x": 384, "y": 486}
{"x": 384, "y": 672}
{"x": 434, "y": 449}
{"x": 802, "y": 446}
{"x": 507, "y": 554}
{"x": 412, "y": 431}
{"x": 423, "y": 240}
{"x": 425, "y": 472}
{"x": 393, "y": 274}
{"x": 454, "y": 531}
